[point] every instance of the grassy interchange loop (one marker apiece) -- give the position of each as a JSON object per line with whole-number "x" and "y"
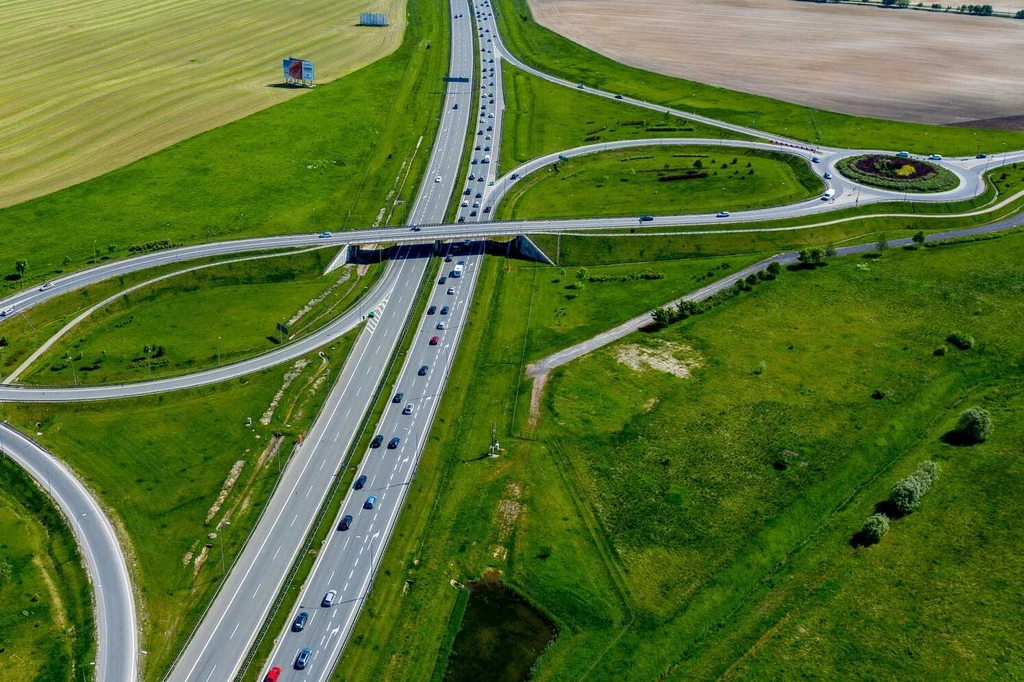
{"x": 886, "y": 171}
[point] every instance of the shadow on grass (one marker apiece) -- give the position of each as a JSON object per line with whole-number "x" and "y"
{"x": 957, "y": 438}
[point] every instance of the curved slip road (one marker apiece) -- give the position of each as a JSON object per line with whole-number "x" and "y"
{"x": 114, "y": 607}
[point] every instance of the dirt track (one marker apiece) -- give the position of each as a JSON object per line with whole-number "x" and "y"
{"x": 917, "y": 66}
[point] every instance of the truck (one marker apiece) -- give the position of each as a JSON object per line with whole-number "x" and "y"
{"x": 829, "y": 195}
{"x": 457, "y": 272}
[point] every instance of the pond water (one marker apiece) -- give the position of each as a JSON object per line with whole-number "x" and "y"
{"x": 500, "y": 638}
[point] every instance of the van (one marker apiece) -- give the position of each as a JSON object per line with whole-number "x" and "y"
{"x": 828, "y": 195}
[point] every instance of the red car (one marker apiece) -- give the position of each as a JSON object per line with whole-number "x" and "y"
{"x": 434, "y": 340}
{"x": 273, "y": 674}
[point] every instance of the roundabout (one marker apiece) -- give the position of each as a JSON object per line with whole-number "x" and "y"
{"x": 897, "y": 173}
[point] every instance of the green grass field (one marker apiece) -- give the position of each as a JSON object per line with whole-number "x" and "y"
{"x": 554, "y": 54}
{"x": 335, "y": 158}
{"x": 629, "y": 182}
{"x": 652, "y": 525}
{"x": 167, "y": 70}
{"x": 46, "y": 625}
{"x": 159, "y": 465}
{"x": 543, "y": 117}
{"x": 216, "y": 315}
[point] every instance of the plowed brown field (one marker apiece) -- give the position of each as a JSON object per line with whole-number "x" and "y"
{"x": 897, "y": 64}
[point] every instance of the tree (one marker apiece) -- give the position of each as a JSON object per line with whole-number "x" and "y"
{"x": 698, "y": 164}
{"x": 752, "y": 279}
{"x": 882, "y": 244}
{"x": 927, "y": 471}
{"x": 582, "y": 275}
{"x": 774, "y": 268}
{"x": 6, "y": 572}
{"x": 906, "y": 494}
{"x": 875, "y": 528}
{"x": 661, "y": 316}
{"x": 975, "y": 425}
{"x": 20, "y": 267}
{"x": 67, "y": 259}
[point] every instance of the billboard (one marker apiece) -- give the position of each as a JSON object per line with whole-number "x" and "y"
{"x": 297, "y": 69}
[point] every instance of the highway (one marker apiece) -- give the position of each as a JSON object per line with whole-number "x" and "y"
{"x": 348, "y": 560}
{"x": 229, "y": 629}
{"x": 117, "y": 645}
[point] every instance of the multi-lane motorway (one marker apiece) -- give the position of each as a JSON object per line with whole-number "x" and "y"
{"x": 221, "y": 642}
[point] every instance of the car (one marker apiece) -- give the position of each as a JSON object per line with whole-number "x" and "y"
{"x": 456, "y": 106}
{"x": 935, "y": 157}
{"x": 467, "y": 191}
{"x": 434, "y": 340}
{"x": 393, "y": 443}
{"x": 478, "y": 147}
{"x": 444, "y": 278}
{"x": 377, "y": 440}
{"x": 437, "y": 179}
{"x": 479, "y": 195}
{"x": 514, "y": 176}
{"x": 465, "y": 202}
{"x": 476, "y": 204}
{"x": 303, "y": 658}
{"x": 46, "y": 287}
{"x": 346, "y": 522}
{"x": 646, "y": 218}
{"x": 451, "y": 290}
{"x": 300, "y": 622}
{"x": 475, "y": 162}
{"x": 472, "y": 214}
{"x": 492, "y": 101}
{"x": 981, "y": 155}
{"x": 448, "y": 258}
{"x": 370, "y": 503}
{"x": 328, "y": 600}
{"x": 462, "y": 219}
{"x": 815, "y": 159}
{"x": 415, "y": 228}
{"x": 408, "y": 409}
{"x": 273, "y": 674}
{"x": 827, "y": 176}
{"x": 444, "y": 310}
{"x": 360, "y": 482}
{"x": 903, "y": 155}
{"x": 471, "y": 175}
{"x": 372, "y": 314}
{"x": 324, "y": 235}
{"x": 431, "y": 310}
{"x": 398, "y": 397}
{"x": 440, "y": 325}
{"x": 462, "y": 262}
{"x": 580, "y": 86}
{"x": 423, "y": 371}
{"x": 722, "y": 214}
{"x": 487, "y": 209}
{"x": 618, "y": 96}
{"x": 487, "y": 149}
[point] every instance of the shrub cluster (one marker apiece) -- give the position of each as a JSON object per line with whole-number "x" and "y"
{"x": 647, "y": 274}
{"x": 665, "y": 316}
{"x": 905, "y": 497}
{"x": 961, "y": 341}
{"x": 155, "y": 245}
{"x": 975, "y": 425}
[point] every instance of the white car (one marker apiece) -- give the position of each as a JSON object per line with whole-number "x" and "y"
{"x": 437, "y": 179}
{"x": 7, "y": 312}
{"x": 46, "y": 287}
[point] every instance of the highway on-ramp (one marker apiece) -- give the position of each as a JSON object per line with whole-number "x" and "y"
{"x": 117, "y": 639}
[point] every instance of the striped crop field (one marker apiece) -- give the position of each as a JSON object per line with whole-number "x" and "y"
{"x": 93, "y": 85}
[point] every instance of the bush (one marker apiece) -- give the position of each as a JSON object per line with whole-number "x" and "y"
{"x": 906, "y": 495}
{"x": 875, "y": 528}
{"x": 927, "y": 471}
{"x": 975, "y": 425}
{"x": 961, "y": 341}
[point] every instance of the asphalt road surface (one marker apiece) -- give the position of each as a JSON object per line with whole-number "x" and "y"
{"x": 114, "y": 608}
{"x": 228, "y": 630}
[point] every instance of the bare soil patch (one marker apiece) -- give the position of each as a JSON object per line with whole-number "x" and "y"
{"x": 674, "y": 358}
{"x": 904, "y": 65}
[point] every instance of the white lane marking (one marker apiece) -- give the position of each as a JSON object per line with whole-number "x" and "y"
{"x": 276, "y": 553}
{"x": 256, "y": 591}
{"x": 211, "y": 674}
{"x": 232, "y": 635}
